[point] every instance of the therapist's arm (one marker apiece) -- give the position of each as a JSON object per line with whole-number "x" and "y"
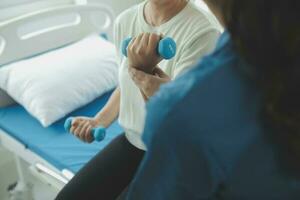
{"x": 148, "y": 84}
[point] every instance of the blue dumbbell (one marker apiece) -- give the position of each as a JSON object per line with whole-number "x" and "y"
{"x": 166, "y": 47}
{"x": 98, "y": 133}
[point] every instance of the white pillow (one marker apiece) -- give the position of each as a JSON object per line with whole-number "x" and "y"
{"x": 5, "y": 99}
{"x": 54, "y": 84}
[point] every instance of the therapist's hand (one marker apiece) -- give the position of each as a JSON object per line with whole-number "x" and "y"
{"x": 148, "y": 83}
{"x": 142, "y": 52}
{"x": 82, "y": 128}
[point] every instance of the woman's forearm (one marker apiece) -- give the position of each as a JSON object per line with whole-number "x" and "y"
{"x": 110, "y": 111}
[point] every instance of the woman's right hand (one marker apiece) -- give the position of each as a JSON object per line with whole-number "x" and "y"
{"x": 82, "y": 128}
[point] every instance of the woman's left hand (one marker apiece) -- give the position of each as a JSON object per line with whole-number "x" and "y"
{"x": 148, "y": 83}
{"x": 142, "y": 52}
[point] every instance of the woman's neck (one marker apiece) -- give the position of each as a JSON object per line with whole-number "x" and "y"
{"x": 157, "y": 12}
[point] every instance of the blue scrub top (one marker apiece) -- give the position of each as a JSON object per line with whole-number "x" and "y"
{"x": 206, "y": 138}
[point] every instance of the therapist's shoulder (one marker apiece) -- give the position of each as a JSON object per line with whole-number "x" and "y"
{"x": 190, "y": 97}
{"x": 197, "y": 84}
{"x": 175, "y": 91}
{"x": 187, "y": 86}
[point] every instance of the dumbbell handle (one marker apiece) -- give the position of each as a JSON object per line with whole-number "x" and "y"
{"x": 98, "y": 133}
{"x": 166, "y": 47}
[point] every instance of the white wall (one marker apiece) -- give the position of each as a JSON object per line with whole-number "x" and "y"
{"x": 9, "y": 3}
{"x": 13, "y": 8}
{"x": 118, "y": 5}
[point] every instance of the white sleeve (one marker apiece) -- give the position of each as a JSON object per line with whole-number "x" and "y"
{"x": 195, "y": 50}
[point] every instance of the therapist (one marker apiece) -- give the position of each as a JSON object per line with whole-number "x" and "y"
{"x": 230, "y": 128}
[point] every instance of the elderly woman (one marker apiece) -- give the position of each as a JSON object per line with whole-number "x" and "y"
{"x": 230, "y": 128}
{"x": 195, "y": 33}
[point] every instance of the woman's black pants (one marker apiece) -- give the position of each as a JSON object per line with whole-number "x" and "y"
{"x": 107, "y": 174}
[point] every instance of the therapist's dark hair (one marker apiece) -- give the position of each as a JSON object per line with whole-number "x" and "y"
{"x": 266, "y": 33}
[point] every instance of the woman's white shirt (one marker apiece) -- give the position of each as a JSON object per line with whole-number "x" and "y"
{"x": 195, "y": 32}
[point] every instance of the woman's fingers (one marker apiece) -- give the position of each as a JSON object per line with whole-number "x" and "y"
{"x": 160, "y": 73}
{"x": 148, "y": 83}
{"x": 76, "y": 131}
{"x": 72, "y": 129}
{"x": 82, "y": 128}
{"x": 131, "y": 43}
{"x": 83, "y": 132}
{"x": 144, "y": 95}
{"x": 88, "y": 133}
{"x": 153, "y": 41}
{"x": 132, "y": 73}
{"x": 137, "y": 75}
{"x": 133, "y": 46}
{"x": 75, "y": 123}
{"x": 80, "y": 131}
{"x": 143, "y": 81}
{"x": 145, "y": 40}
{"x": 140, "y": 78}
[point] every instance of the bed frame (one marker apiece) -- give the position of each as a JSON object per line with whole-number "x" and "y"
{"x": 16, "y": 40}
{"x": 26, "y": 36}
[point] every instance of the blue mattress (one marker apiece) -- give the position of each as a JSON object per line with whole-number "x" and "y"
{"x": 59, "y": 148}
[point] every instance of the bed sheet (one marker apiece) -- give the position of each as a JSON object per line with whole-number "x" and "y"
{"x": 59, "y": 148}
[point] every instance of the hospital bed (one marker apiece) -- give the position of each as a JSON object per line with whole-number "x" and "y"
{"x": 48, "y": 156}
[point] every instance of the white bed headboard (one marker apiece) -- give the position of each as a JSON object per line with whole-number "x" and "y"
{"x": 43, "y": 30}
